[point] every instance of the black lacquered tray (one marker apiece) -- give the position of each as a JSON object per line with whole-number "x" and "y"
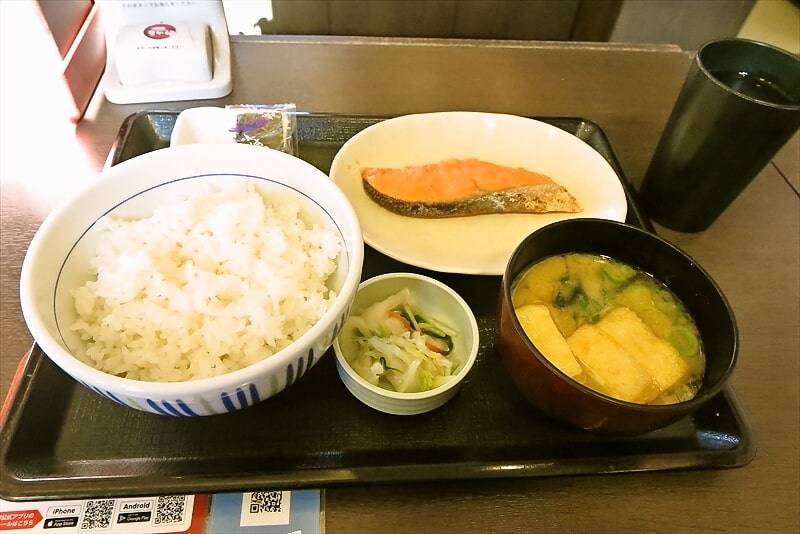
{"x": 59, "y": 440}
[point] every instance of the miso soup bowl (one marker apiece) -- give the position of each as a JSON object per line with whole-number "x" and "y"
{"x": 564, "y": 399}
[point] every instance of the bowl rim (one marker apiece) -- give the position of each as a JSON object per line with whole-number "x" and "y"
{"x": 695, "y": 401}
{"x": 472, "y": 357}
{"x": 92, "y": 376}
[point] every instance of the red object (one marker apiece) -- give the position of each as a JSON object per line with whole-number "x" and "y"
{"x": 199, "y": 515}
{"x": 159, "y": 31}
{"x": 12, "y": 391}
{"x": 19, "y": 519}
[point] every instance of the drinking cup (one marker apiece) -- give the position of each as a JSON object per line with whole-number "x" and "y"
{"x": 739, "y": 104}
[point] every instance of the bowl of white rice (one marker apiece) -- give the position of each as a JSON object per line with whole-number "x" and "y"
{"x": 194, "y": 280}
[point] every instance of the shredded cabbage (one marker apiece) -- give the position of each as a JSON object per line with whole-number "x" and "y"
{"x": 399, "y": 348}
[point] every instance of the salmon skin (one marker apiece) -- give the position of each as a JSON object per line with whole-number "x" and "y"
{"x": 464, "y": 187}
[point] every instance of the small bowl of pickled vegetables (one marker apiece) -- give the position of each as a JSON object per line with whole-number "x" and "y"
{"x": 407, "y": 345}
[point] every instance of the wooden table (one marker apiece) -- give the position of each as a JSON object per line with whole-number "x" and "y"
{"x": 753, "y": 252}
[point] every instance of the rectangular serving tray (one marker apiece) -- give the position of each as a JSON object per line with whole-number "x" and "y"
{"x": 59, "y": 440}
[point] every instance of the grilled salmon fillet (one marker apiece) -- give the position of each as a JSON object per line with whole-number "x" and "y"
{"x": 464, "y": 187}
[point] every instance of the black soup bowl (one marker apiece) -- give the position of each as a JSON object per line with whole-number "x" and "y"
{"x": 566, "y": 400}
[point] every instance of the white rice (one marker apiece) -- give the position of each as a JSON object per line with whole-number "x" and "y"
{"x": 210, "y": 284}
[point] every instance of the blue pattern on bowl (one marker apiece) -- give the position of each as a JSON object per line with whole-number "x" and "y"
{"x": 167, "y": 410}
{"x": 241, "y": 396}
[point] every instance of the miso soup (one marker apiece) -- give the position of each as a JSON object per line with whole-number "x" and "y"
{"x": 612, "y": 327}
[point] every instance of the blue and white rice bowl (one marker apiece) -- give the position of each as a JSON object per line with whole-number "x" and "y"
{"x": 59, "y": 256}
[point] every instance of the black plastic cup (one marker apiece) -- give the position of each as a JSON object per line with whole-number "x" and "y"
{"x": 740, "y": 103}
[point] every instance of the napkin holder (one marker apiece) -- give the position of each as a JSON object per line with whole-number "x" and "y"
{"x": 162, "y": 50}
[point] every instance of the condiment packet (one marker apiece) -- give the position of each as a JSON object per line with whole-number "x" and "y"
{"x": 273, "y": 126}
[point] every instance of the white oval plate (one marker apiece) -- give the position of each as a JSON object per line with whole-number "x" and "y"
{"x": 477, "y": 244}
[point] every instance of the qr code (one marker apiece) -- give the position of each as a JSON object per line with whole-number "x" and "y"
{"x": 170, "y": 509}
{"x": 98, "y": 514}
{"x": 266, "y": 501}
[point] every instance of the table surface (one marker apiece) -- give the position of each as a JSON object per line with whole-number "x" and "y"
{"x": 752, "y": 251}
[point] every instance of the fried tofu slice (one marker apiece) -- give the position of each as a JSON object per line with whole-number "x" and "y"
{"x": 657, "y": 356}
{"x": 540, "y": 328}
{"x": 611, "y": 366}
